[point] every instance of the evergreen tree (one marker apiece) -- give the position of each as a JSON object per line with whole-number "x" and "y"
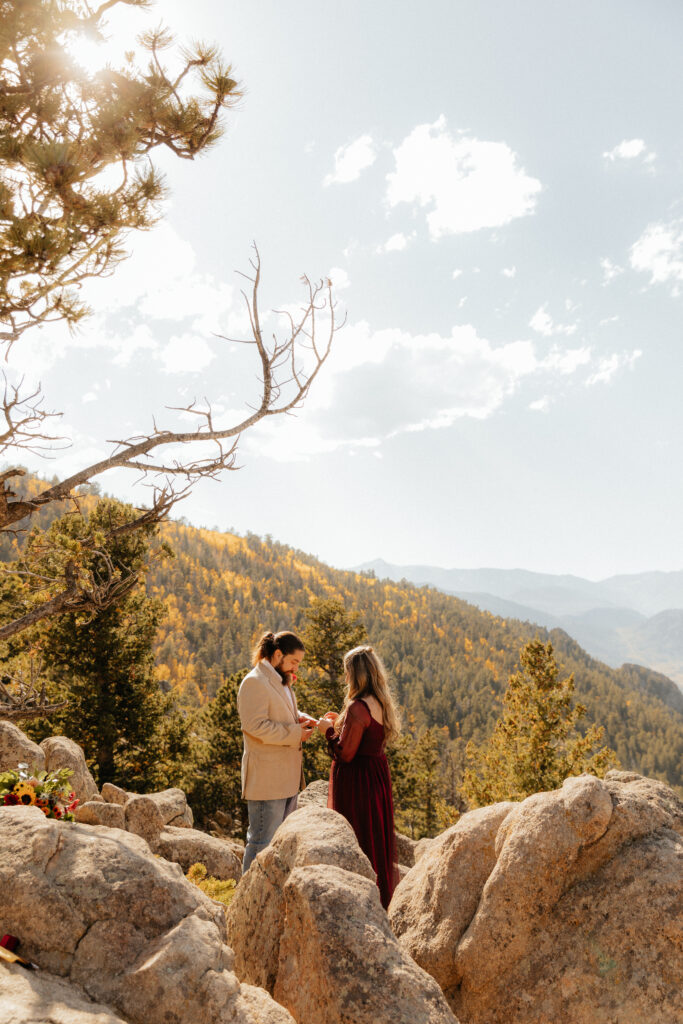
{"x": 329, "y": 633}
{"x": 103, "y": 664}
{"x": 535, "y": 745}
{"x": 61, "y": 218}
{"x": 419, "y": 783}
{"x": 404, "y": 785}
{"x": 214, "y": 783}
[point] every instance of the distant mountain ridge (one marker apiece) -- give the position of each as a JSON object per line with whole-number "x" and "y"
{"x": 629, "y": 618}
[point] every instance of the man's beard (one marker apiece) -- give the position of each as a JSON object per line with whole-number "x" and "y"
{"x": 286, "y": 677}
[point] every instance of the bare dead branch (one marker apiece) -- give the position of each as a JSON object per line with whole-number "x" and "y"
{"x": 21, "y": 416}
{"x": 288, "y": 365}
{"x": 21, "y": 698}
{"x": 279, "y": 394}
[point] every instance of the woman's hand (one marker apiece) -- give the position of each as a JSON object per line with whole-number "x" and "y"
{"x": 326, "y": 721}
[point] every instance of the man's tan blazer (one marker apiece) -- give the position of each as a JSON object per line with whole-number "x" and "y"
{"x": 271, "y": 763}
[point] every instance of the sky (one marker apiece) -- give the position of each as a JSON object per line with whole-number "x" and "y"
{"x": 496, "y": 191}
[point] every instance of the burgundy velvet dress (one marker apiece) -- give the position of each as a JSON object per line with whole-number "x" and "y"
{"x": 360, "y": 789}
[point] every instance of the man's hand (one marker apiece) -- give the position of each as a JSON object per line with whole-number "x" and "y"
{"x": 306, "y": 729}
{"x": 307, "y": 719}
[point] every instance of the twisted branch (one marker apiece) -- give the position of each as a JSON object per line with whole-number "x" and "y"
{"x": 21, "y": 698}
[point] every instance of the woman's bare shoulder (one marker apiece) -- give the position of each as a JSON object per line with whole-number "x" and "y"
{"x": 375, "y": 709}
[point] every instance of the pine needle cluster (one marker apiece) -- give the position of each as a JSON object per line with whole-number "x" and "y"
{"x": 75, "y": 148}
{"x": 535, "y": 745}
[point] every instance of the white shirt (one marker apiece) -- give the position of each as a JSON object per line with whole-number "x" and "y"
{"x": 273, "y": 672}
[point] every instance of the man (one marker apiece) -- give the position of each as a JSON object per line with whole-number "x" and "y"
{"x": 273, "y": 730}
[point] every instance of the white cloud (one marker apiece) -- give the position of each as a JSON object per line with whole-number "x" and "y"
{"x": 543, "y": 323}
{"x": 509, "y": 271}
{"x": 659, "y": 252}
{"x": 630, "y": 149}
{"x": 610, "y": 270}
{"x": 541, "y": 404}
{"x": 457, "y": 274}
{"x": 160, "y": 278}
{"x": 397, "y": 243}
{"x": 186, "y": 354}
{"x": 350, "y": 161}
{"x": 566, "y": 361}
{"x": 469, "y": 184}
{"x": 339, "y": 278}
{"x": 129, "y": 344}
{"x": 609, "y": 365}
{"x": 380, "y": 384}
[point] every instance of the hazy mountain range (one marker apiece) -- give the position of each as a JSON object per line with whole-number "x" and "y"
{"x": 634, "y": 618}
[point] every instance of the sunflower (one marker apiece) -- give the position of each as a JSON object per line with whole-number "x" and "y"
{"x": 25, "y": 793}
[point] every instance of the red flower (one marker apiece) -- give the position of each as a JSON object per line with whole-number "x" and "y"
{"x": 11, "y": 798}
{"x": 57, "y": 811}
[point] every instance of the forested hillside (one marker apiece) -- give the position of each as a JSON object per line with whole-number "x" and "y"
{"x": 449, "y": 661}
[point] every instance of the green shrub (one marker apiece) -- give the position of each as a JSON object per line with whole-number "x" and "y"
{"x": 220, "y": 890}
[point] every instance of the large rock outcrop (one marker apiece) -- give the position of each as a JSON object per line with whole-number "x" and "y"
{"x": 163, "y": 819}
{"x": 315, "y": 794}
{"x": 61, "y": 752}
{"x": 173, "y": 808}
{"x": 95, "y": 907}
{"x": 100, "y": 813}
{"x": 16, "y": 748}
{"x": 433, "y": 906}
{"x": 32, "y": 997}
{"x": 564, "y": 909}
{"x": 188, "y": 846}
{"x": 148, "y": 813}
{"x": 306, "y": 923}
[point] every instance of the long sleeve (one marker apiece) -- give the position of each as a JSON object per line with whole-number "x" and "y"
{"x": 252, "y": 705}
{"x": 345, "y": 747}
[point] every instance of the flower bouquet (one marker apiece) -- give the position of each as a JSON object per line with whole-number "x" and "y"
{"x": 50, "y": 791}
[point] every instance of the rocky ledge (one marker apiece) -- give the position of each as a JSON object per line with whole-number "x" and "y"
{"x": 567, "y": 907}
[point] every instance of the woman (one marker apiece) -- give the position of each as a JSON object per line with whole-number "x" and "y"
{"x": 273, "y": 730}
{"x": 360, "y": 783}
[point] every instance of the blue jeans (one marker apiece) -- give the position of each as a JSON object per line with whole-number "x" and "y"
{"x": 265, "y": 817}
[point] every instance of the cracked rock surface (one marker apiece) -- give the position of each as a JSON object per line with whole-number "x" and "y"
{"x": 566, "y": 908}
{"x": 93, "y": 906}
{"x": 306, "y": 923}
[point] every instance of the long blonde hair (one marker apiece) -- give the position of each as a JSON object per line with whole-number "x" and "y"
{"x": 366, "y": 676}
